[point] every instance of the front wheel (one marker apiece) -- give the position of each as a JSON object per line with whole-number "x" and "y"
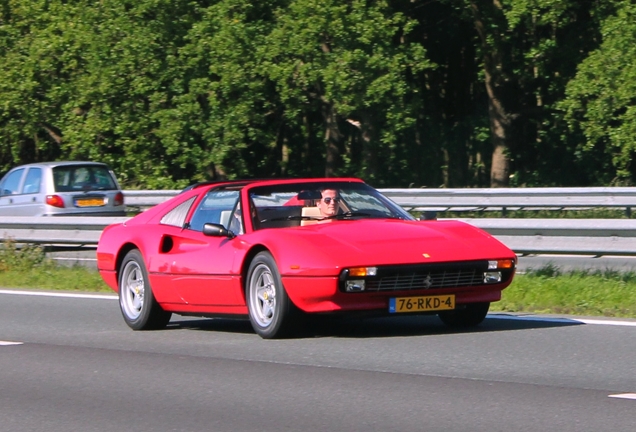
{"x": 470, "y": 316}
{"x": 136, "y": 300}
{"x": 270, "y": 309}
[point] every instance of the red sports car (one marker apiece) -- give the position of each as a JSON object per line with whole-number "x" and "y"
{"x": 275, "y": 250}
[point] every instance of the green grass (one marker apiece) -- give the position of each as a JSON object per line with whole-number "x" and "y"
{"x": 55, "y": 279}
{"x": 546, "y": 290}
{"x": 28, "y": 267}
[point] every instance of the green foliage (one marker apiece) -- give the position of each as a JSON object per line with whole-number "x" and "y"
{"x": 21, "y": 258}
{"x": 169, "y": 92}
{"x": 350, "y": 63}
{"x": 600, "y": 99}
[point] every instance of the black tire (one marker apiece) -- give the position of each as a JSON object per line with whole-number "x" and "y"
{"x": 136, "y": 300}
{"x": 271, "y": 312}
{"x": 470, "y": 316}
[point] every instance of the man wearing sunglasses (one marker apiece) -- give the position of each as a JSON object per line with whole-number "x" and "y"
{"x": 330, "y": 203}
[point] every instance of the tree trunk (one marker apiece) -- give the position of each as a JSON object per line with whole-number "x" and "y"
{"x": 500, "y": 125}
{"x": 369, "y": 166}
{"x": 333, "y": 137}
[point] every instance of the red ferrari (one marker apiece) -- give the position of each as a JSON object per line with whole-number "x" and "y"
{"x": 276, "y": 250}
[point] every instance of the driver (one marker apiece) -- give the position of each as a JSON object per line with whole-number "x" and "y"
{"x": 329, "y": 204}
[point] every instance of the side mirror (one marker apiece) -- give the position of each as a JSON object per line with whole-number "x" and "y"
{"x": 217, "y": 230}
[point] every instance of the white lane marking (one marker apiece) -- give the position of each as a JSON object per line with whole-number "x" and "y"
{"x": 501, "y": 315}
{"x": 73, "y": 259}
{"x": 624, "y": 396}
{"x": 608, "y": 322}
{"x": 3, "y": 343}
{"x": 562, "y": 319}
{"x": 54, "y": 294}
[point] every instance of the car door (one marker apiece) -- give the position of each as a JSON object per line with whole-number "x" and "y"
{"x": 201, "y": 266}
{"x": 10, "y": 191}
{"x": 30, "y": 200}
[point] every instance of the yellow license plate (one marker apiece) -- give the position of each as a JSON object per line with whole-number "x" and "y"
{"x": 422, "y": 304}
{"x": 89, "y": 202}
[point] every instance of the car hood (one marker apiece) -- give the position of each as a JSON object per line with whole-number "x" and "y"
{"x": 386, "y": 242}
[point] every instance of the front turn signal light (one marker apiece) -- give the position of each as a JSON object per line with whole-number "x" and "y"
{"x": 506, "y": 264}
{"x": 502, "y": 264}
{"x": 363, "y": 271}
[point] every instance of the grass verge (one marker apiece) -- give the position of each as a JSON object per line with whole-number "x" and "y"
{"x": 28, "y": 267}
{"x": 547, "y": 290}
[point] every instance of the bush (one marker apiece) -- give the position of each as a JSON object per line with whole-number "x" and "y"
{"x": 14, "y": 257}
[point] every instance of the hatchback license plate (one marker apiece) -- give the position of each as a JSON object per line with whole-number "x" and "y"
{"x": 89, "y": 202}
{"x": 421, "y": 304}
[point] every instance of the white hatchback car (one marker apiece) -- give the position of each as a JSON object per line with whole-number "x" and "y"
{"x": 61, "y": 189}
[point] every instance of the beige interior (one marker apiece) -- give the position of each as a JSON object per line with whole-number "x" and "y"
{"x": 310, "y": 211}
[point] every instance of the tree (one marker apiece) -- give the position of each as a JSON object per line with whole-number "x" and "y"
{"x": 601, "y": 101}
{"x": 352, "y": 63}
{"x": 40, "y": 53}
{"x": 228, "y": 106}
{"x": 88, "y": 80}
{"x": 528, "y": 50}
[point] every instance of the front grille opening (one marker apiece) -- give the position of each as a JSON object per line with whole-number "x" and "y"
{"x": 427, "y": 280}
{"x": 427, "y": 276}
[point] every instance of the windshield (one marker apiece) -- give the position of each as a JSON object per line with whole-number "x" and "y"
{"x": 300, "y": 204}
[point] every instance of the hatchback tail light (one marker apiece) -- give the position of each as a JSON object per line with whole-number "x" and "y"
{"x": 119, "y": 199}
{"x": 55, "y": 201}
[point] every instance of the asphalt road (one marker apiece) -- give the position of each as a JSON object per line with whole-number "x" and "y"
{"x": 71, "y": 364}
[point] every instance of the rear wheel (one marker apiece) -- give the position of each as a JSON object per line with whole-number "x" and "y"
{"x": 270, "y": 309}
{"x": 472, "y": 315}
{"x": 136, "y": 300}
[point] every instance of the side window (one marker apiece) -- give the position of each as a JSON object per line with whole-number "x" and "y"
{"x": 32, "y": 181}
{"x": 11, "y": 184}
{"x": 103, "y": 178}
{"x": 62, "y": 179}
{"x": 216, "y": 207}
{"x": 177, "y": 215}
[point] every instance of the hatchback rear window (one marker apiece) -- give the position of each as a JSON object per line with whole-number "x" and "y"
{"x": 82, "y": 177}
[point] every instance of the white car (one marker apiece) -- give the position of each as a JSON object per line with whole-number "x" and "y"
{"x": 61, "y": 189}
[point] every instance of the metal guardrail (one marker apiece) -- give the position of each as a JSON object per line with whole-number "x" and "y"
{"x": 467, "y": 199}
{"x": 514, "y": 198}
{"x": 563, "y": 236}
{"x": 140, "y": 199}
{"x": 68, "y": 231}
{"x": 524, "y": 236}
